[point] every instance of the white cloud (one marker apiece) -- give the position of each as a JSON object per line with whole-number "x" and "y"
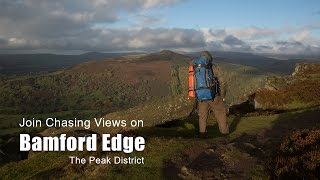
{"x": 301, "y": 36}
{"x": 85, "y": 26}
{"x": 251, "y": 33}
{"x": 153, "y": 3}
{"x": 213, "y": 34}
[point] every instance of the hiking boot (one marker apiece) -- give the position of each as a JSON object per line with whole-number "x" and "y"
{"x": 202, "y": 135}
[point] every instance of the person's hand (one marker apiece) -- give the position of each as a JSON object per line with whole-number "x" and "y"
{"x": 218, "y": 99}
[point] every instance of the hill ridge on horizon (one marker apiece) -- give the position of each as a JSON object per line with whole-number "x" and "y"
{"x": 39, "y": 63}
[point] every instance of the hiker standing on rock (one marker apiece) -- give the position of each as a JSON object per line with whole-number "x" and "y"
{"x": 206, "y": 84}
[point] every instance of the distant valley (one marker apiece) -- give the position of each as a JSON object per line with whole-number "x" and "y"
{"x": 40, "y": 63}
{"x": 101, "y": 86}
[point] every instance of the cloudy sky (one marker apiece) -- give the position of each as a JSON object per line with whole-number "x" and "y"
{"x": 73, "y": 26}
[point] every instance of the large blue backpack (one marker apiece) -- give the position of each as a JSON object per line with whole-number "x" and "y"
{"x": 204, "y": 79}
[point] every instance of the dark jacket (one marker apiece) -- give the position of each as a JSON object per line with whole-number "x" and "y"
{"x": 221, "y": 83}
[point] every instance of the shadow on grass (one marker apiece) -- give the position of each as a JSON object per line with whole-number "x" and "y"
{"x": 188, "y": 127}
{"x": 182, "y": 128}
{"x": 234, "y": 123}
